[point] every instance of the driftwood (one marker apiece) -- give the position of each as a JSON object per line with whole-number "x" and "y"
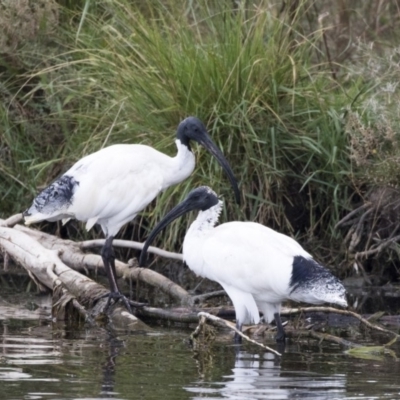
{"x": 46, "y": 269}
{"x": 72, "y": 255}
{"x": 58, "y": 265}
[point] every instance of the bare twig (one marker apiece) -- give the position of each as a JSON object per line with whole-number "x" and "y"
{"x": 82, "y": 311}
{"x": 337, "y": 311}
{"x": 356, "y": 237}
{"x": 202, "y": 297}
{"x": 132, "y": 245}
{"x": 184, "y": 314}
{"x": 170, "y": 314}
{"x": 203, "y": 315}
{"x": 350, "y": 214}
{"x": 331, "y": 338}
{"x": 383, "y": 245}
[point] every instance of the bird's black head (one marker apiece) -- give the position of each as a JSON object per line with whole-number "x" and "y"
{"x": 191, "y": 128}
{"x": 202, "y": 198}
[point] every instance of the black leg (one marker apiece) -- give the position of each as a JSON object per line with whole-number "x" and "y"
{"x": 108, "y": 256}
{"x": 280, "y": 336}
{"x": 238, "y": 338}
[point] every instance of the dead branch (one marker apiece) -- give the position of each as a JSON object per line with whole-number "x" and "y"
{"x": 203, "y": 317}
{"x": 131, "y": 245}
{"x": 356, "y": 237}
{"x": 377, "y": 249}
{"x": 183, "y": 314}
{"x": 205, "y": 296}
{"x": 324, "y": 336}
{"x": 351, "y": 214}
{"x": 292, "y": 311}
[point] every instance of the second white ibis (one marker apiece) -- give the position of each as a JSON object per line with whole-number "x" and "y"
{"x": 258, "y": 267}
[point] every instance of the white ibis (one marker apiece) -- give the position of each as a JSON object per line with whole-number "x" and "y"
{"x": 257, "y": 266}
{"x": 114, "y": 184}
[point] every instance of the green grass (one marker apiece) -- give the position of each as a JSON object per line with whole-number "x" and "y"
{"x": 128, "y": 73}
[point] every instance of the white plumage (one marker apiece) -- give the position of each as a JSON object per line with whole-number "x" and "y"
{"x": 110, "y": 187}
{"x": 258, "y": 267}
{"x": 127, "y": 179}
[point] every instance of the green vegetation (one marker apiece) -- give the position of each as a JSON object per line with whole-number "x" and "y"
{"x": 306, "y": 137}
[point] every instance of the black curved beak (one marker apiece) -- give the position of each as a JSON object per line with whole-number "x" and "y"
{"x": 176, "y": 212}
{"x": 207, "y": 142}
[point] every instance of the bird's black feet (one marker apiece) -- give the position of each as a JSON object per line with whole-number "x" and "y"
{"x": 238, "y": 338}
{"x": 280, "y": 336}
{"x": 114, "y": 297}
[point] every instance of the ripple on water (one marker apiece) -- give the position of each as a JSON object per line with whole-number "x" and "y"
{"x": 22, "y": 350}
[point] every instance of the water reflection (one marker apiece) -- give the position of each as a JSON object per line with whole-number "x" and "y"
{"x": 260, "y": 376}
{"x": 107, "y": 387}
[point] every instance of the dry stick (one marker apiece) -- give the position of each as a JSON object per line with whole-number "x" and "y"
{"x": 349, "y": 222}
{"x": 82, "y": 311}
{"x": 374, "y": 221}
{"x": 182, "y": 314}
{"x": 176, "y": 315}
{"x": 337, "y": 311}
{"x": 349, "y": 215}
{"x": 331, "y": 338}
{"x": 349, "y": 234}
{"x": 205, "y": 296}
{"x": 232, "y": 327}
{"x": 130, "y": 244}
{"x": 377, "y": 249}
{"x": 357, "y": 234}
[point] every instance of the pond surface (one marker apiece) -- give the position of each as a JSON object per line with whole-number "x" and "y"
{"x": 40, "y": 359}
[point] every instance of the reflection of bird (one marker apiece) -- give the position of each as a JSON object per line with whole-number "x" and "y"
{"x": 111, "y": 186}
{"x": 264, "y": 376}
{"x": 258, "y": 267}
{"x": 255, "y": 376}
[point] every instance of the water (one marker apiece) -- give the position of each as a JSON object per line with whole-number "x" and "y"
{"x": 40, "y": 359}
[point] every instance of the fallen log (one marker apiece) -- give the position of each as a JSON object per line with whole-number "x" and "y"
{"x": 73, "y": 256}
{"x": 46, "y": 268}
